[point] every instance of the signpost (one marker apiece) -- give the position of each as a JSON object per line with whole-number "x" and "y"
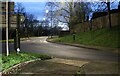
{"x": 7, "y": 24}
{"x": 13, "y": 21}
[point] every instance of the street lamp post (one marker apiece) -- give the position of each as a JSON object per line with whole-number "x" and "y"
{"x": 17, "y": 32}
{"x": 20, "y": 18}
{"x": 7, "y": 24}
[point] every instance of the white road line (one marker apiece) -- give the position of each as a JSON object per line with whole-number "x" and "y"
{"x": 45, "y": 42}
{"x": 28, "y": 40}
{"x": 40, "y": 40}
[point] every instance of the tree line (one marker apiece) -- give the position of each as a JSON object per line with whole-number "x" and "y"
{"x": 70, "y": 13}
{"x": 31, "y": 25}
{"x": 74, "y": 13}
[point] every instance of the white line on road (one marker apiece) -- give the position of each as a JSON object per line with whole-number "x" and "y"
{"x": 28, "y": 40}
{"x": 45, "y": 42}
{"x": 40, "y": 41}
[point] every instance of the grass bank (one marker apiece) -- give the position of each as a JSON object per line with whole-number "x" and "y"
{"x": 104, "y": 37}
{"x": 14, "y": 58}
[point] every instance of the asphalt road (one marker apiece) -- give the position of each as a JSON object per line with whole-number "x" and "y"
{"x": 40, "y": 45}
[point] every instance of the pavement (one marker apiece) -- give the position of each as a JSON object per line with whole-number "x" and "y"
{"x": 52, "y": 67}
{"x": 77, "y": 63}
{"x": 65, "y": 67}
{"x": 101, "y": 67}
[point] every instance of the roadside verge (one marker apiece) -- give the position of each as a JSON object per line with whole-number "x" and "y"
{"x": 114, "y": 50}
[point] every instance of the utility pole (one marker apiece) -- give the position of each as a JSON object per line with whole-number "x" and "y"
{"x": 7, "y": 24}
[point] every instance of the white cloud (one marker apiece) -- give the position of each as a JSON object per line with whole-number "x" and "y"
{"x": 61, "y": 0}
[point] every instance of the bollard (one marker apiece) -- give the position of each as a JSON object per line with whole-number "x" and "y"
{"x": 73, "y": 36}
{"x": 18, "y": 50}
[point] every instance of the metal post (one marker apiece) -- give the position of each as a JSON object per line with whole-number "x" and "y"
{"x": 7, "y": 23}
{"x": 74, "y": 36}
{"x": 17, "y": 31}
{"x": 15, "y": 45}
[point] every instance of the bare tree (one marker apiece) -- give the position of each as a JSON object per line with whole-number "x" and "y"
{"x": 19, "y": 8}
{"x": 71, "y": 13}
{"x": 74, "y": 12}
{"x": 104, "y": 7}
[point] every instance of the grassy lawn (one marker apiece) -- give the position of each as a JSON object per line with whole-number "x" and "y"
{"x": 102, "y": 37}
{"x": 10, "y": 40}
{"x": 14, "y": 58}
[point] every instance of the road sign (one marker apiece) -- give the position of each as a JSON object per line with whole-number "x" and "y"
{"x": 13, "y": 20}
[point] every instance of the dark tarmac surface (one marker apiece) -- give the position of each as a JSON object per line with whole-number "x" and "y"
{"x": 40, "y": 45}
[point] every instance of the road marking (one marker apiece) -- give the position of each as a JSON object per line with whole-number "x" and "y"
{"x": 45, "y": 42}
{"x": 28, "y": 40}
{"x": 40, "y": 41}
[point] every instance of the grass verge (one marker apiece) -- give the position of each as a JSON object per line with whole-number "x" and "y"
{"x": 10, "y": 41}
{"x": 14, "y": 58}
{"x": 104, "y": 37}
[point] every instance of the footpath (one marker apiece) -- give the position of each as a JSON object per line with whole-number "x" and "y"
{"x": 52, "y": 67}
{"x": 64, "y": 67}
